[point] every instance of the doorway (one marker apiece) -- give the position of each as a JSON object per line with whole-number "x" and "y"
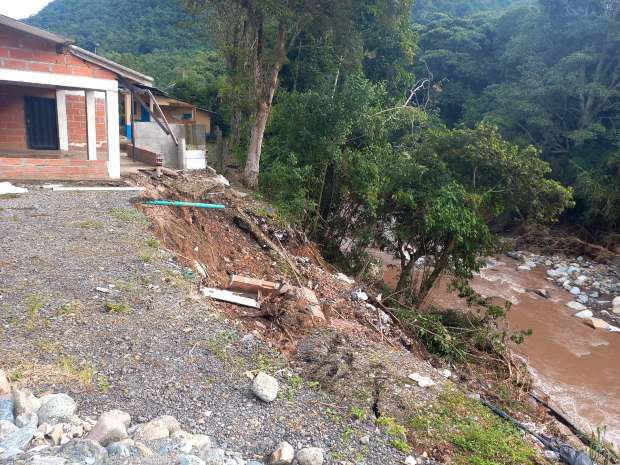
{"x": 41, "y": 123}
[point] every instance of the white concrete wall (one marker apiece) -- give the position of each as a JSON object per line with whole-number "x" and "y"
{"x": 151, "y": 137}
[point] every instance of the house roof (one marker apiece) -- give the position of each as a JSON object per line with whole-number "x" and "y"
{"x": 120, "y": 70}
{"x": 158, "y": 92}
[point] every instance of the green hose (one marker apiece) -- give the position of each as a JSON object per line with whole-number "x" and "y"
{"x": 176, "y": 203}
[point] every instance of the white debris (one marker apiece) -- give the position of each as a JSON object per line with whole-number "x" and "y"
{"x": 358, "y": 294}
{"x": 423, "y": 381}
{"x": 8, "y": 188}
{"x": 576, "y": 306}
{"x": 104, "y": 290}
{"x": 584, "y": 314}
{"x": 345, "y": 278}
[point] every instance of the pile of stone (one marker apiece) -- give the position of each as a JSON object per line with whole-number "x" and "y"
{"x": 45, "y": 431}
{"x": 595, "y": 287}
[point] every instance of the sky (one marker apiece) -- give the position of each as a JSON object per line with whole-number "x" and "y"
{"x": 19, "y": 9}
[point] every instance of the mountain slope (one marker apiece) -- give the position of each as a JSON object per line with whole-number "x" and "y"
{"x": 138, "y": 26}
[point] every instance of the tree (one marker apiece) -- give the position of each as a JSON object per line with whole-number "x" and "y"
{"x": 447, "y": 190}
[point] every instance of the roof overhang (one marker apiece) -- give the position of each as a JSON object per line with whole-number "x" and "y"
{"x": 33, "y": 31}
{"x": 127, "y": 73}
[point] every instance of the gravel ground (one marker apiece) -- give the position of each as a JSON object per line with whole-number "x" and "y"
{"x": 157, "y": 348}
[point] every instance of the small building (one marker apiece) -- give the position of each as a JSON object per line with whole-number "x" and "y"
{"x": 59, "y": 107}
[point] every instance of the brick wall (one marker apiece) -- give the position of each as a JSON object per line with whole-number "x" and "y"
{"x": 27, "y": 53}
{"x": 63, "y": 169}
{"x": 13, "y": 120}
{"x": 146, "y": 156}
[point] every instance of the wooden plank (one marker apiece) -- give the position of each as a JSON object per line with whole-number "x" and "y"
{"x": 230, "y": 297}
{"x": 245, "y": 284}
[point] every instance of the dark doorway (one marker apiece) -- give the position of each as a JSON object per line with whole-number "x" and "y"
{"x": 41, "y": 123}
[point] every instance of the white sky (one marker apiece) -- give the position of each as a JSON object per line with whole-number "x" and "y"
{"x": 20, "y": 9}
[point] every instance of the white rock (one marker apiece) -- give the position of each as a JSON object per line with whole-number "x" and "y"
{"x": 446, "y": 373}
{"x": 310, "y": 456}
{"x": 359, "y": 295}
{"x": 524, "y": 268}
{"x": 613, "y": 329}
{"x": 576, "y": 306}
{"x": 575, "y": 290}
{"x": 197, "y": 441}
{"x": 110, "y": 427}
{"x": 343, "y": 277}
{"x": 581, "y": 280}
{"x": 423, "y": 381}
{"x": 283, "y": 455}
{"x": 584, "y": 314}
{"x": 25, "y": 402}
{"x": 154, "y": 429}
{"x": 27, "y": 419}
{"x": 616, "y": 304}
{"x": 265, "y": 387}
{"x": 46, "y": 460}
{"x": 583, "y": 298}
{"x": 410, "y": 460}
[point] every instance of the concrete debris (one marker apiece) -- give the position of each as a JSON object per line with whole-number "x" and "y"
{"x": 597, "y": 323}
{"x": 585, "y": 314}
{"x": 8, "y": 188}
{"x": 230, "y": 297}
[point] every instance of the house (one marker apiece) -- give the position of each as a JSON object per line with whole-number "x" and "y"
{"x": 59, "y": 107}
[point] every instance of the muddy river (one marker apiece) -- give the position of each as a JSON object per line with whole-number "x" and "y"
{"x": 577, "y": 366}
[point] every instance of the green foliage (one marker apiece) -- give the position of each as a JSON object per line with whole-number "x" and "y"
{"x": 475, "y": 434}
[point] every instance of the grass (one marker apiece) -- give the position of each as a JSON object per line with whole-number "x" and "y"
{"x": 89, "y": 224}
{"x": 71, "y": 308}
{"x": 9, "y": 196}
{"x": 118, "y": 308}
{"x": 82, "y": 373}
{"x": 129, "y": 215}
{"x": 34, "y": 303}
{"x": 473, "y": 434}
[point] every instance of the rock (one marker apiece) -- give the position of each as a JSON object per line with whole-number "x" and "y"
{"x": 310, "y": 456}
{"x": 27, "y": 419}
{"x": 265, "y": 387}
{"x": 583, "y": 298}
{"x": 19, "y": 439}
{"x": 5, "y": 386}
{"x": 524, "y": 268}
{"x": 213, "y": 456}
{"x": 191, "y": 460}
{"x": 584, "y": 314}
{"x": 365, "y": 439}
{"x": 615, "y": 304}
{"x": 154, "y": 429}
{"x": 446, "y": 373}
{"x": 6, "y": 410}
{"x": 597, "y": 323}
{"x": 171, "y": 423}
{"x": 110, "y": 427}
{"x": 6, "y": 428}
{"x": 84, "y": 451}
{"x": 56, "y": 434}
{"x": 56, "y": 408}
{"x": 197, "y": 441}
{"x": 46, "y": 460}
{"x": 118, "y": 449}
{"x": 142, "y": 449}
{"x": 552, "y": 456}
{"x": 283, "y": 455}
{"x": 253, "y": 462}
{"x": 423, "y": 381}
{"x": 575, "y": 290}
{"x": 358, "y": 294}
{"x": 576, "y": 306}
{"x": 25, "y": 401}
{"x": 581, "y": 280}
{"x": 410, "y": 460}
{"x": 343, "y": 277}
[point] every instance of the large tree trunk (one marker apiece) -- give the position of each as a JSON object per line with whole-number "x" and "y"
{"x": 252, "y": 163}
{"x": 235, "y": 126}
{"x": 266, "y": 84}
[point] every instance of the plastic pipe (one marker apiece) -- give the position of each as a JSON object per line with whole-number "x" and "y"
{"x": 176, "y": 203}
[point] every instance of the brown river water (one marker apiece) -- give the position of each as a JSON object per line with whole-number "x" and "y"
{"x": 577, "y": 366}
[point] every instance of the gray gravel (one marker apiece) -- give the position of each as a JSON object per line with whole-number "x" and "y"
{"x": 171, "y": 354}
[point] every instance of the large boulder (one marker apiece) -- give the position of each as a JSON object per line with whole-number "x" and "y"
{"x": 6, "y": 428}
{"x": 6, "y": 410}
{"x": 213, "y": 456}
{"x": 154, "y": 429}
{"x": 18, "y": 440}
{"x": 265, "y": 387}
{"x": 110, "y": 427}
{"x": 56, "y": 408}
